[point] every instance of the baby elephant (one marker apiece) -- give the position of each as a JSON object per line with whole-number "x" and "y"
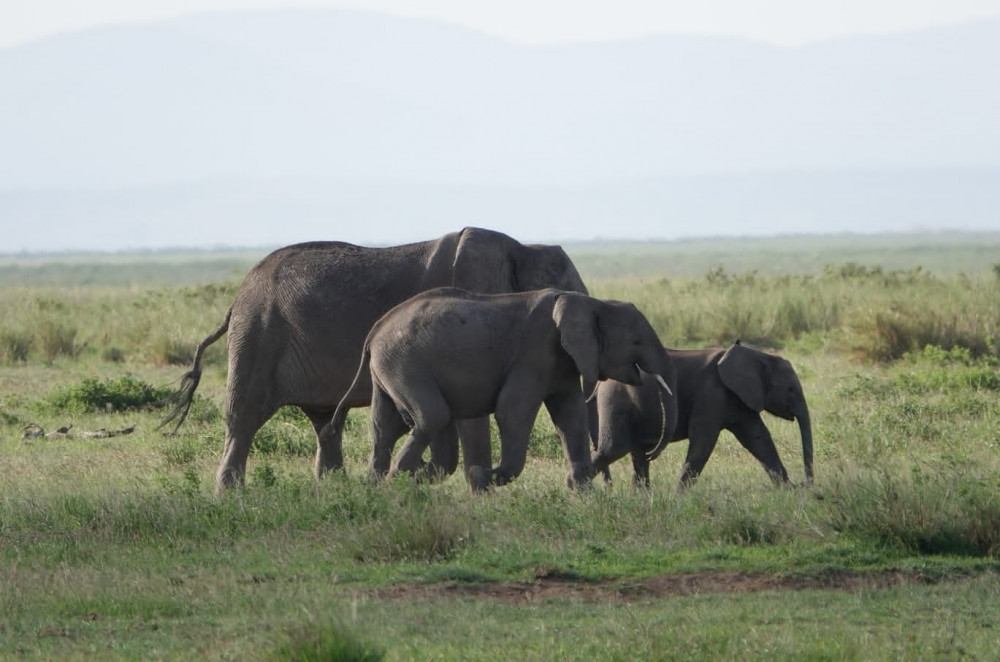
{"x": 449, "y": 354}
{"x": 716, "y": 389}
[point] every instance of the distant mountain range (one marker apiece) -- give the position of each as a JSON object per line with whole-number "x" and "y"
{"x": 270, "y": 127}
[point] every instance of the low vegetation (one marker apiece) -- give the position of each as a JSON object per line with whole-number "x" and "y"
{"x": 118, "y": 547}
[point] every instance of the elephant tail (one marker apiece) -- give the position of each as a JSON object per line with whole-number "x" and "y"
{"x": 184, "y": 396}
{"x": 340, "y": 415}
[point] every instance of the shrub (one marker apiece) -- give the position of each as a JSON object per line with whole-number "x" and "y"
{"x": 899, "y": 332}
{"x": 126, "y": 393}
{"x": 263, "y": 474}
{"x": 323, "y": 643}
{"x": 937, "y": 368}
{"x": 288, "y": 432}
{"x": 932, "y": 512}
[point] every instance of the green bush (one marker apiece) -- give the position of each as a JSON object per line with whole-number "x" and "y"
{"x": 933, "y": 511}
{"x": 323, "y": 643}
{"x": 937, "y": 368}
{"x": 895, "y": 333}
{"x": 125, "y": 393}
{"x": 288, "y": 432}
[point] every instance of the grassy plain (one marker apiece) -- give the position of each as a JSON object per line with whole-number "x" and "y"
{"x": 116, "y": 547}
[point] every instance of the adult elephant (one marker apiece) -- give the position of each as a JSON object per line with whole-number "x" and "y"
{"x": 717, "y": 389}
{"x": 301, "y": 315}
{"x": 448, "y": 354}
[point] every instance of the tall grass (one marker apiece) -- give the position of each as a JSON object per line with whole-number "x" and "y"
{"x": 15, "y": 345}
{"x": 879, "y": 315}
{"x": 928, "y": 510}
{"x": 154, "y": 327}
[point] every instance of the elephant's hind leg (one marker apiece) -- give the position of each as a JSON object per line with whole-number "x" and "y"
{"x": 240, "y": 430}
{"x": 420, "y": 407}
{"x": 387, "y": 425}
{"x": 614, "y": 441}
{"x": 444, "y": 455}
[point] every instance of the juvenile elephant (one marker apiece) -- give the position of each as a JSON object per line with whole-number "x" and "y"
{"x": 449, "y": 354}
{"x": 716, "y": 389}
{"x": 302, "y": 313}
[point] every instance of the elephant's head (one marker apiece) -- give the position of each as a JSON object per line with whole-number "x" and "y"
{"x": 493, "y": 263}
{"x": 764, "y": 382}
{"x": 613, "y": 340}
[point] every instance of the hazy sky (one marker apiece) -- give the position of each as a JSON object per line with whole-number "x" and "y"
{"x": 784, "y": 22}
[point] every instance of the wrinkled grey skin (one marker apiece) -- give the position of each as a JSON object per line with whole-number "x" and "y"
{"x": 716, "y": 390}
{"x": 448, "y": 354}
{"x": 302, "y": 313}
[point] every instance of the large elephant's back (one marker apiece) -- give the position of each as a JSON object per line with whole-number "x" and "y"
{"x": 302, "y": 313}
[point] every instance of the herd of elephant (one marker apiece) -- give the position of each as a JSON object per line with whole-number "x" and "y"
{"x": 436, "y": 336}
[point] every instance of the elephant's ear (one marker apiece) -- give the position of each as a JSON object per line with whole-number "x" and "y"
{"x": 743, "y": 373}
{"x": 483, "y": 262}
{"x": 576, "y": 319}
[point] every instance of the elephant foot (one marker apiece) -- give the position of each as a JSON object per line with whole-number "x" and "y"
{"x": 602, "y": 468}
{"x": 480, "y": 478}
{"x": 415, "y": 469}
{"x": 228, "y": 480}
{"x": 427, "y": 472}
{"x": 432, "y": 473}
{"x": 579, "y": 477}
{"x": 322, "y": 469}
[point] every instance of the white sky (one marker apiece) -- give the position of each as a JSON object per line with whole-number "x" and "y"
{"x": 783, "y": 22}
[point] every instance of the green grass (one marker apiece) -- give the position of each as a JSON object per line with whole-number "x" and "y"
{"x": 119, "y": 548}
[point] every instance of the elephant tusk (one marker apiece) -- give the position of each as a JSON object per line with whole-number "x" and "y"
{"x": 653, "y": 454}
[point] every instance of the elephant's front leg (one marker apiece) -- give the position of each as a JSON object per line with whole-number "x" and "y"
{"x": 387, "y": 425}
{"x": 640, "y": 468}
{"x": 569, "y": 415}
{"x": 756, "y": 438}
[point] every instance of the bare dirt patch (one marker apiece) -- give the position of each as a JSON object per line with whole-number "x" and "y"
{"x": 549, "y": 585}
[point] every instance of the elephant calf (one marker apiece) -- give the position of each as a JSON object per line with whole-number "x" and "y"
{"x": 448, "y": 354}
{"x": 716, "y": 389}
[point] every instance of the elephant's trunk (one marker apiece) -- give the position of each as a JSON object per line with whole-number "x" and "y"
{"x": 805, "y": 428}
